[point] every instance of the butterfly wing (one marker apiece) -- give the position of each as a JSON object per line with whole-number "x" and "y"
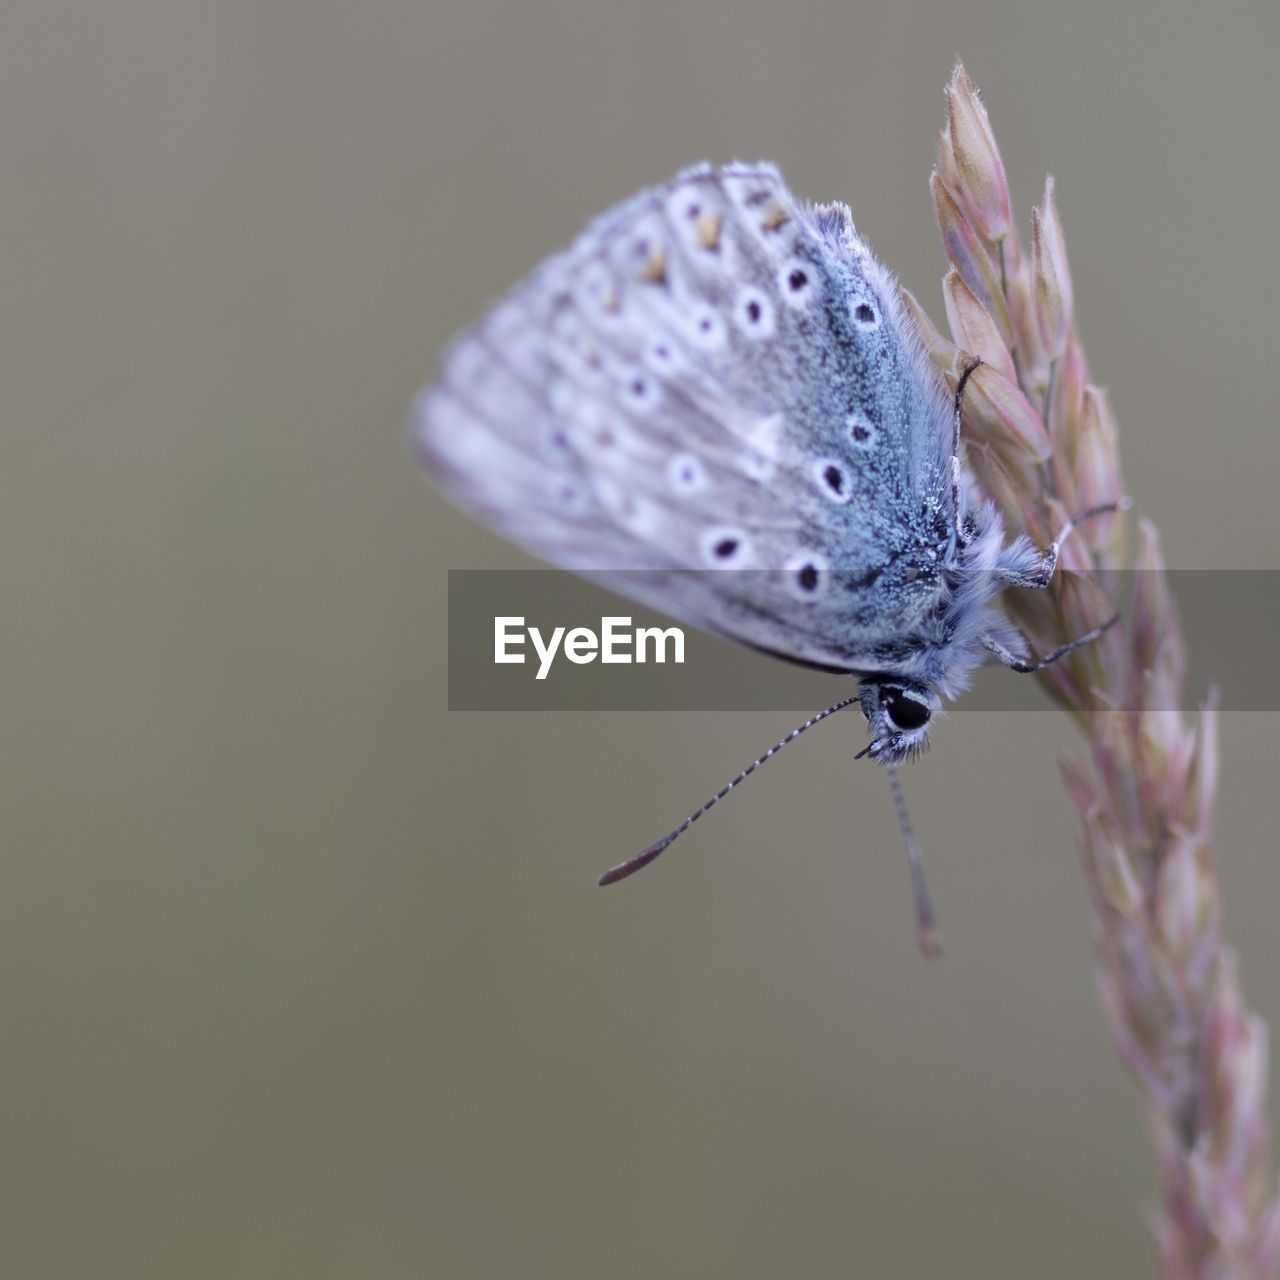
{"x": 715, "y": 403}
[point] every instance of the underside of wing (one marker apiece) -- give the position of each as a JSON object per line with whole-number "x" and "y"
{"x": 715, "y": 403}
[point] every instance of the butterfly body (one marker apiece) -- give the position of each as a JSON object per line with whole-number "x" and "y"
{"x": 715, "y": 403}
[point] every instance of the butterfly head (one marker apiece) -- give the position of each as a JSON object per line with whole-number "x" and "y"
{"x": 899, "y": 713}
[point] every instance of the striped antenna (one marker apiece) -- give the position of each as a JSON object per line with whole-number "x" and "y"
{"x": 642, "y": 860}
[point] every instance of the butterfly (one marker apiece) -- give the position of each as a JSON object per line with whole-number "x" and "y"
{"x": 715, "y": 403}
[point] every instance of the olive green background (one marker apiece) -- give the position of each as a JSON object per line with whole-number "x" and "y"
{"x": 301, "y": 975}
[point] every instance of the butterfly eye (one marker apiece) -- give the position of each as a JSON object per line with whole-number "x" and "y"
{"x": 904, "y": 711}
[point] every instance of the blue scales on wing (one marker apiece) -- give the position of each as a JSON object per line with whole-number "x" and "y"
{"x": 714, "y": 403}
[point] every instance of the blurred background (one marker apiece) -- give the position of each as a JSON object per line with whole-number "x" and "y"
{"x": 303, "y": 975}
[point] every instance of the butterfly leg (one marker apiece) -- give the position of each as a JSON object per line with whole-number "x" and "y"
{"x": 1016, "y": 573}
{"x": 1026, "y": 665}
{"x": 956, "y": 470}
{"x": 1039, "y": 577}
